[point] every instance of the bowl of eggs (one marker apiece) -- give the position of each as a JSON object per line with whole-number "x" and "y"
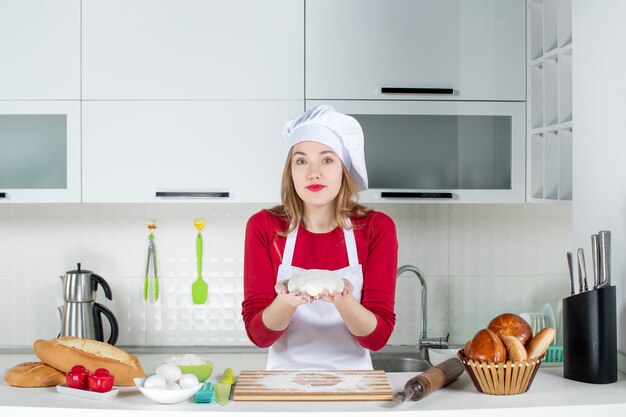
{"x": 169, "y": 385}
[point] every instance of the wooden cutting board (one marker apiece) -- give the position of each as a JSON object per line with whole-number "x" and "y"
{"x": 312, "y": 386}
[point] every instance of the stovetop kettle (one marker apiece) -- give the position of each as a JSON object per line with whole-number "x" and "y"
{"x": 81, "y": 316}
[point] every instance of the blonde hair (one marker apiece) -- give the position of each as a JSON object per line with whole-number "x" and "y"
{"x": 292, "y": 208}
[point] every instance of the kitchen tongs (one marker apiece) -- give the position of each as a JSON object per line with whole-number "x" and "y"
{"x": 151, "y": 287}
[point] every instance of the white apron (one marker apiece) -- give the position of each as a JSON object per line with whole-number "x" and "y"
{"x": 317, "y": 337}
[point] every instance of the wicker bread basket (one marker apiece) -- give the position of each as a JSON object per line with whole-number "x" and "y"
{"x": 507, "y": 378}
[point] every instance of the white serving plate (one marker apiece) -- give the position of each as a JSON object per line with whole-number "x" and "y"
{"x": 82, "y": 393}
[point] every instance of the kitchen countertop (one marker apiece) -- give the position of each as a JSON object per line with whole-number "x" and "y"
{"x": 550, "y": 394}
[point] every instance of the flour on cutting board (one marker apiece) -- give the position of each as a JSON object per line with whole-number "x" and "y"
{"x": 315, "y": 382}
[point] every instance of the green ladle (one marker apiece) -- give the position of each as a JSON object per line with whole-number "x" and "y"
{"x": 199, "y": 288}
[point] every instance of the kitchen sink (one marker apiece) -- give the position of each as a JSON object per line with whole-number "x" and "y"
{"x": 399, "y": 363}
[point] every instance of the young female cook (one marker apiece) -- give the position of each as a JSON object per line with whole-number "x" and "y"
{"x": 320, "y": 226}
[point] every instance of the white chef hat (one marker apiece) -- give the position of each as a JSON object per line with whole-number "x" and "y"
{"x": 340, "y": 132}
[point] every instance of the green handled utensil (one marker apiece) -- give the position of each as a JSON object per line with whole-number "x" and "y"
{"x": 199, "y": 289}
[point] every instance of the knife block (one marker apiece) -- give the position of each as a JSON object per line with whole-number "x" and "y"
{"x": 590, "y": 336}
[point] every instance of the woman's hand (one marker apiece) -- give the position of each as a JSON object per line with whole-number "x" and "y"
{"x": 294, "y": 299}
{"x": 337, "y": 296}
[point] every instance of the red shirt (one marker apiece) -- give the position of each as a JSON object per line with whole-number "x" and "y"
{"x": 377, "y": 249}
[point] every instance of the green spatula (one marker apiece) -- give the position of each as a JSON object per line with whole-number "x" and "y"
{"x": 199, "y": 289}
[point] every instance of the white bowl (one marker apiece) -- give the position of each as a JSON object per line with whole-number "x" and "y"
{"x": 163, "y": 396}
{"x": 439, "y": 355}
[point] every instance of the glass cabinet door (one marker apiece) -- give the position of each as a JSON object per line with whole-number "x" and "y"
{"x": 40, "y": 151}
{"x": 438, "y": 151}
{"x": 434, "y": 151}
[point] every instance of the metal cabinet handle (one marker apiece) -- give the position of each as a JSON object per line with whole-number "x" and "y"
{"x": 192, "y": 194}
{"x": 3, "y": 195}
{"x": 410, "y": 194}
{"x": 400, "y": 90}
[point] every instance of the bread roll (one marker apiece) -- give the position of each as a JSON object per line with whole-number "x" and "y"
{"x": 540, "y": 343}
{"x": 515, "y": 351}
{"x": 509, "y": 324}
{"x": 65, "y": 352}
{"x": 34, "y": 375}
{"x": 466, "y": 347}
{"x": 486, "y": 347}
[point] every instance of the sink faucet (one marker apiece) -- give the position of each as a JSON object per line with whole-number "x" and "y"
{"x": 424, "y": 340}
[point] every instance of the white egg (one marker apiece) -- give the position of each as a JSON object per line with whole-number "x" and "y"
{"x": 171, "y": 373}
{"x": 154, "y": 382}
{"x": 188, "y": 381}
{"x": 172, "y": 386}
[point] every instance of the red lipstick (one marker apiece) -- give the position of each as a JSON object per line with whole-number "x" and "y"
{"x": 315, "y": 187}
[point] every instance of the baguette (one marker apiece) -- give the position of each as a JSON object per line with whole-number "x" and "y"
{"x": 64, "y": 352}
{"x": 33, "y": 375}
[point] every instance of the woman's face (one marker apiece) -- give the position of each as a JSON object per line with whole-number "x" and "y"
{"x": 316, "y": 171}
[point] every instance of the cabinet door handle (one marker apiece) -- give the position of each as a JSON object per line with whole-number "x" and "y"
{"x": 192, "y": 194}
{"x": 410, "y": 194}
{"x": 3, "y": 195}
{"x": 400, "y": 90}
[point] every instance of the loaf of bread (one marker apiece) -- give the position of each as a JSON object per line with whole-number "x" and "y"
{"x": 64, "y": 352}
{"x": 33, "y": 375}
{"x": 486, "y": 346}
{"x": 509, "y": 324}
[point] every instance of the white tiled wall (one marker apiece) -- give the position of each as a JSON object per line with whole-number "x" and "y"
{"x": 479, "y": 260}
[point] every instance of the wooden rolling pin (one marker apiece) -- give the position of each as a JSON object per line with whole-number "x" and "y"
{"x": 431, "y": 380}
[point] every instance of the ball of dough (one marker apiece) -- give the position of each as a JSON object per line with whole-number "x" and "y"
{"x": 315, "y": 282}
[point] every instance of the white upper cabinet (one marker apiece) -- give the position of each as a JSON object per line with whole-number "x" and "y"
{"x": 39, "y": 49}
{"x": 193, "y": 49}
{"x": 440, "y": 151}
{"x": 355, "y": 48}
{"x": 40, "y": 151}
{"x": 153, "y": 151}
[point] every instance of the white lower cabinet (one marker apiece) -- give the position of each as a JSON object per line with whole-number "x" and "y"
{"x": 161, "y": 151}
{"x": 40, "y": 152}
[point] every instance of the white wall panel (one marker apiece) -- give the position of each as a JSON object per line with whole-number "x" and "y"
{"x": 599, "y": 172}
{"x": 479, "y": 261}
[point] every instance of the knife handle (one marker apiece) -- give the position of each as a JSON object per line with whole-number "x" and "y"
{"x": 570, "y": 269}
{"x": 604, "y": 237}
{"x": 595, "y": 257}
{"x": 582, "y": 270}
